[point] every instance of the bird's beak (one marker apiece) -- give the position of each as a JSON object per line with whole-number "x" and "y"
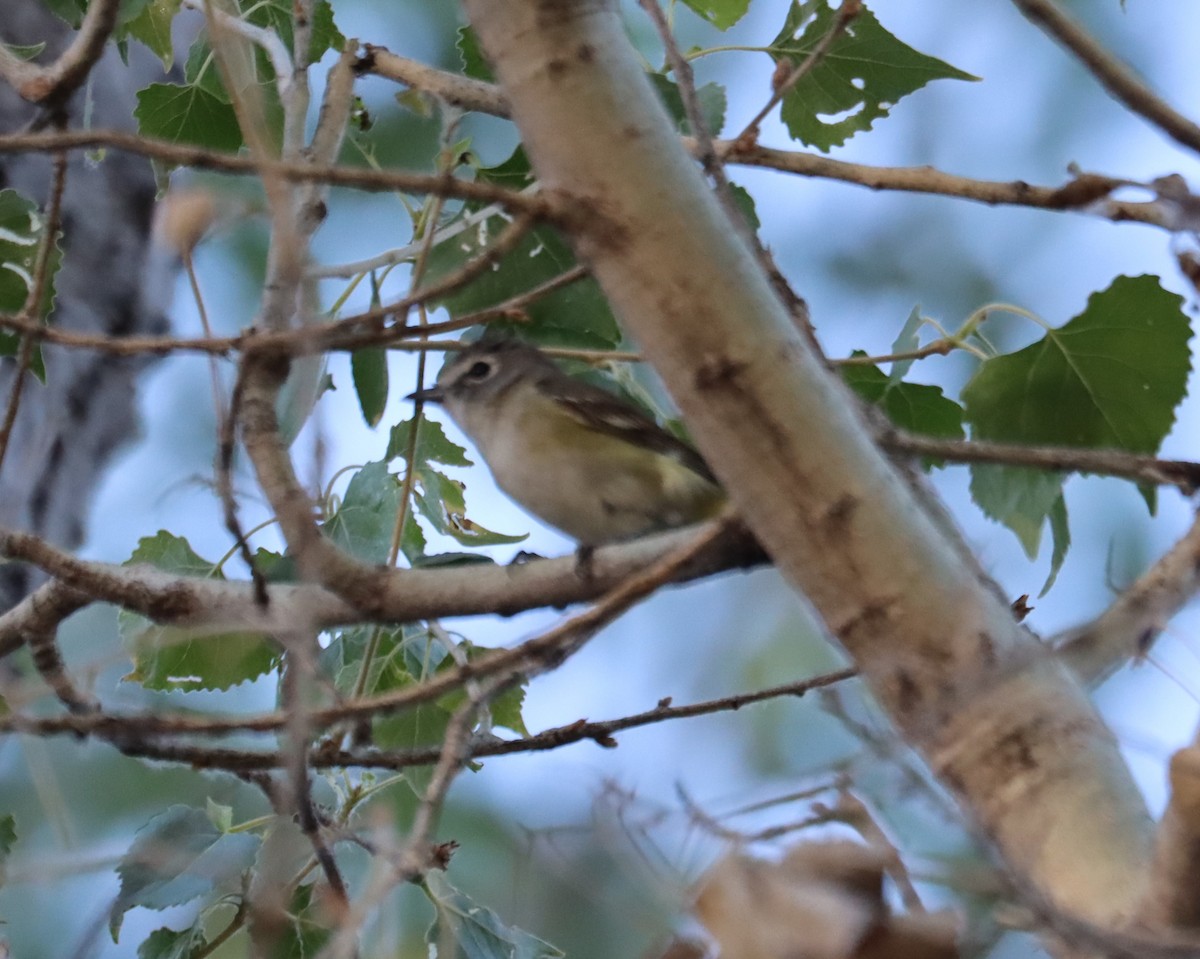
{"x": 434, "y": 394}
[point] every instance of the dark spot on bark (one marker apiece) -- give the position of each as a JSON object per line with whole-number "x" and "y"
{"x": 586, "y": 53}
{"x": 908, "y": 694}
{"x": 1013, "y": 750}
{"x": 1146, "y": 640}
{"x": 838, "y": 515}
{"x": 987, "y": 649}
{"x": 557, "y": 68}
{"x": 172, "y": 604}
{"x": 365, "y": 63}
{"x": 718, "y": 372}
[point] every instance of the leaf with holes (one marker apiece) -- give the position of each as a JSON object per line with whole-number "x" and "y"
{"x": 864, "y": 72}
{"x": 174, "y": 658}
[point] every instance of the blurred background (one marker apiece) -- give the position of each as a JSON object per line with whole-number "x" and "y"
{"x": 592, "y": 848}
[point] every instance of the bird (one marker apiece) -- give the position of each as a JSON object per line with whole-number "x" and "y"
{"x": 581, "y": 459}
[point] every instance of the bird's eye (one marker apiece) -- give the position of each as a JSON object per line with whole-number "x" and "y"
{"x": 479, "y": 370}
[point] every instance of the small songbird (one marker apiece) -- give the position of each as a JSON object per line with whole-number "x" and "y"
{"x": 576, "y": 456}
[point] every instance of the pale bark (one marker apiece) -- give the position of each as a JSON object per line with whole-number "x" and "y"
{"x": 999, "y": 721}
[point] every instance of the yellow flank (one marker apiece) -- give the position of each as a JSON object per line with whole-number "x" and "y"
{"x": 593, "y": 486}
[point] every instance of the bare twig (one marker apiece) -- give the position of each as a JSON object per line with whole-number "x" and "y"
{"x": 149, "y": 726}
{"x": 705, "y": 153}
{"x": 33, "y": 299}
{"x": 1118, "y": 79}
{"x": 463, "y": 92}
{"x": 845, "y": 16}
{"x": 52, "y": 84}
{"x": 1084, "y": 193}
{"x": 1130, "y": 625}
{"x": 292, "y": 170}
{"x": 1131, "y": 466}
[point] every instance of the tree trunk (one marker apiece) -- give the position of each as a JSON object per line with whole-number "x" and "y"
{"x": 1002, "y": 724}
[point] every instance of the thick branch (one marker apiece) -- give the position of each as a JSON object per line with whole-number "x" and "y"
{"x": 213, "y": 606}
{"x": 1129, "y": 626}
{"x": 1001, "y": 723}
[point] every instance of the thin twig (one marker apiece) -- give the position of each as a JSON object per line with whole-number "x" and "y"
{"x": 52, "y": 84}
{"x": 149, "y": 726}
{"x": 1118, "y": 79}
{"x": 686, "y": 82}
{"x": 1085, "y": 193}
{"x": 466, "y": 93}
{"x": 1131, "y": 466}
{"x": 846, "y": 14}
{"x": 33, "y": 299}
{"x": 292, "y": 170}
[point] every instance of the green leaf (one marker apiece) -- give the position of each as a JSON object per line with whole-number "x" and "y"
{"x": 474, "y": 931}
{"x": 171, "y": 658}
{"x": 1060, "y": 531}
{"x": 1019, "y": 498}
{"x": 1108, "y": 378}
{"x": 505, "y": 709}
{"x": 153, "y": 28}
{"x": 433, "y": 446}
{"x": 187, "y": 114}
{"x": 366, "y": 518}
{"x": 24, "y": 51}
{"x": 745, "y": 202}
{"x": 169, "y": 944}
{"x": 722, "y": 14}
{"x": 10, "y": 345}
{"x": 325, "y": 34}
{"x": 277, "y": 15}
{"x": 276, "y": 567}
{"x": 220, "y": 815}
{"x": 711, "y": 98}
{"x": 474, "y": 63}
{"x": 370, "y": 371}
{"x": 200, "y": 69}
{"x": 305, "y": 933}
{"x": 176, "y": 857}
{"x": 576, "y": 315}
{"x": 342, "y": 658}
{"x": 441, "y": 501}
{"x": 911, "y": 406}
{"x": 69, "y": 10}
{"x": 22, "y": 230}
{"x": 907, "y": 340}
{"x": 865, "y": 71}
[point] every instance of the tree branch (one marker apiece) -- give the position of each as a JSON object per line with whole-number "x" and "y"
{"x": 1131, "y": 624}
{"x": 1181, "y": 474}
{"x": 1118, "y": 79}
{"x": 51, "y": 85}
{"x": 932, "y": 636}
{"x": 214, "y": 606}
